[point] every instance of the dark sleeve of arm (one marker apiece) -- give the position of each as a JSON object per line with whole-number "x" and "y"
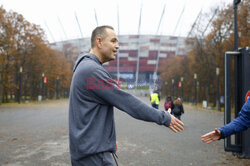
{"x": 126, "y": 102}
{"x": 241, "y": 123}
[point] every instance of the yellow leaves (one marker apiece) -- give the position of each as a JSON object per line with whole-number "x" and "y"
{"x": 23, "y": 45}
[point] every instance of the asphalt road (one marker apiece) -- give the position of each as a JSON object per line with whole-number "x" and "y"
{"x": 36, "y": 134}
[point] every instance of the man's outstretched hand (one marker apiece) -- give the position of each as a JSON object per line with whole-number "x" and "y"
{"x": 211, "y": 136}
{"x": 176, "y": 125}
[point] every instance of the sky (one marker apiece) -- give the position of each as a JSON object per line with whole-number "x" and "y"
{"x": 58, "y": 17}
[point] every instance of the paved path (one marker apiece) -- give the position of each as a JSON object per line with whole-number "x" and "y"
{"x": 36, "y": 135}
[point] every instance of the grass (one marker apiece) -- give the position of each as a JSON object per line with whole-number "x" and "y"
{"x": 222, "y": 108}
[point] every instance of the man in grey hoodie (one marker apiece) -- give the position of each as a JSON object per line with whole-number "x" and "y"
{"x": 93, "y": 94}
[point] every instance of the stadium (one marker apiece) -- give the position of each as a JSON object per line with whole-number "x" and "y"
{"x": 134, "y": 70}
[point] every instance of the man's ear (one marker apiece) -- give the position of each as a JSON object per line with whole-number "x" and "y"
{"x": 98, "y": 41}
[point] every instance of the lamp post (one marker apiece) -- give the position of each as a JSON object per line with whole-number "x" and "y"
{"x": 172, "y": 88}
{"x": 166, "y": 83}
{"x": 218, "y": 86}
{"x": 182, "y": 88}
{"x": 57, "y": 86}
{"x": 195, "y": 89}
{"x": 236, "y": 2}
{"x": 198, "y": 91}
{"x": 42, "y": 85}
{"x": 236, "y": 62}
{"x": 20, "y": 85}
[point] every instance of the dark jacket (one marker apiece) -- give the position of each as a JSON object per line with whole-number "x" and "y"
{"x": 91, "y": 118}
{"x": 180, "y": 107}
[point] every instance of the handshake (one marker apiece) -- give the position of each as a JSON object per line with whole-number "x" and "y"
{"x": 241, "y": 123}
{"x": 177, "y": 126}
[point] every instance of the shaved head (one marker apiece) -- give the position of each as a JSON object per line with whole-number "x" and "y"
{"x": 99, "y": 32}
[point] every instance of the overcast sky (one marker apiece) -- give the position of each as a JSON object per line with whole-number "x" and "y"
{"x": 59, "y": 15}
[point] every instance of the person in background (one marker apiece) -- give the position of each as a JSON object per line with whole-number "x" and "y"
{"x": 178, "y": 110}
{"x": 168, "y": 103}
{"x": 241, "y": 123}
{"x": 155, "y": 99}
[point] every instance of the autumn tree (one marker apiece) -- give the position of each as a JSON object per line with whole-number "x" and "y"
{"x": 23, "y": 45}
{"x": 207, "y": 50}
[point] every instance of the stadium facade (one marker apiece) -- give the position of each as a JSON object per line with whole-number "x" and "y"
{"x": 147, "y": 46}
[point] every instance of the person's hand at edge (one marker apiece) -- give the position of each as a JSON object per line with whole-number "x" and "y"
{"x": 176, "y": 125}
{"x": 211, "y": 136}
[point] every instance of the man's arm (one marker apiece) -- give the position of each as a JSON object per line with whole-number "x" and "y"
{"x": 241, "y": 123}
{"x": 130, "y": 104}
{"x": 211, "y": 136}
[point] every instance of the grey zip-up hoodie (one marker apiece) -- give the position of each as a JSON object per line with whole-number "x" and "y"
{"x": 91, "y": 119}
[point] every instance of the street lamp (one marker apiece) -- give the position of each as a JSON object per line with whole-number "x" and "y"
{"x": 57, "y": 86}
{"x": 195, "y": 89}
{"x": 236, "y": 2}
{"x": 42, "y": 85}
{"x": 236, "y": 59}
{"x": 218, "y": 86}
{"x": 172, "y": 88}
{"x": 166, "y": 83}
{"x": 182, "y": 79}
{"x": 20, "y": 84}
